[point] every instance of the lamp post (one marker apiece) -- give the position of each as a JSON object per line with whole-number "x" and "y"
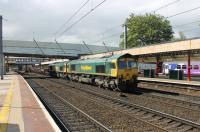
{"x": 125, "y": 36}
{"x": 1, "y": 49}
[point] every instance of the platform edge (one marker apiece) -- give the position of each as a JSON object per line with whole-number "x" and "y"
{"x": 46, "y": 113}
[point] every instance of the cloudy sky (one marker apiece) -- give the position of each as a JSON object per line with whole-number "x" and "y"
{"x": 24, "y": 19}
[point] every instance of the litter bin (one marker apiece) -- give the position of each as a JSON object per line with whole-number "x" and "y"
{"x": 152, "y": 73}
{"x": 176, "y": 74}
{"x": 149, "y": 73}
{"x": 146, "y": 72}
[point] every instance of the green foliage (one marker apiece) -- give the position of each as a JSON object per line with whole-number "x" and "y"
{"x": 147, "y": 29}
{"x": 181, "y": 36}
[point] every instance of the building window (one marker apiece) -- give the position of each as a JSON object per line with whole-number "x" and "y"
{"x": 183, "y": 66}
{"x": 178, "y": 67}
{"x": 196, "y": 67}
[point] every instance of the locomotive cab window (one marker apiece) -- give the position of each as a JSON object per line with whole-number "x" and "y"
{"x": 132, "y": 64}
{"x": 112, "y": 65}
{"x": 122, "y": 64}
{"x": 100, "y": 68}
{"x": 73, "y": 67}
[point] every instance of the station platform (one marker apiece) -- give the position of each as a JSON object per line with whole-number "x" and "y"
{"x": 20, "y": 108}
{"x": 185, "y": 87}
{"x": 171, "y": 81}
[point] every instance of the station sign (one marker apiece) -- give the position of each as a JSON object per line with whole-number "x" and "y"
{"x": 27, "y": 61}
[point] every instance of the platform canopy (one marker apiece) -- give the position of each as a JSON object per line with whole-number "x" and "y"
{"x": 49, "y": 49}
{"x": 169, "y": 48}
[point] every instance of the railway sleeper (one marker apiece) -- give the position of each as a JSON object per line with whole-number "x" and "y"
{"x": 164, "y": 121}
{"x": 79, "y": 128}
{"x": 173, "y": 125}
{"x": 155, "y": 118}
{"x": 148, "y": 116}
{"x": 79, "y": 123}
{"x": 74, "y": 121}
{"x": 184, "y": 128}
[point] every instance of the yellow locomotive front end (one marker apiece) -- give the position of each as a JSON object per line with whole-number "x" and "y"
{"x": 127, "y": 71}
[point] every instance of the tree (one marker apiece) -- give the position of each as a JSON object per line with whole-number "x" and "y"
{"x": 181, "y": 36}
{"x": 146, "y": 29}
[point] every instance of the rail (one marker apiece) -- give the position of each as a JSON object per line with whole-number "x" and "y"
{"x": 190, "y": 123}
{"x": 95, "y": 122}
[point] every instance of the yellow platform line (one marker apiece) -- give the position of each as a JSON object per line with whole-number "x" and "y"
{"x": 5, "y": 110}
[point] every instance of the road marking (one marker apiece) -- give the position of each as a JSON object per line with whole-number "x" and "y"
{"x": 5, "y": 110}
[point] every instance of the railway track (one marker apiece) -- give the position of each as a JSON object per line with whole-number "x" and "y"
{"x": 155, "y": 118}
{"x": 186, "y": 101}
{"x": 180, "y": 108}
{"x": 168, "y": 87}
{"x": 115, "y": 119}
{"x": 70, "y": 117}
{"x": 33, "y": 75}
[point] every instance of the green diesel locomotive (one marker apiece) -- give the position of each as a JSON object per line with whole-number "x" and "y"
{"x": 113, "y": 72}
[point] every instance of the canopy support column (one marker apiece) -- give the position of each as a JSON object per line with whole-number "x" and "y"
{"x": 1, "y": 51}
{"x": 189, "y": 73}
{"x": 157, "y": 65}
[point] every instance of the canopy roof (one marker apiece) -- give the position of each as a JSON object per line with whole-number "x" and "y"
{"x": 49, "y": 49}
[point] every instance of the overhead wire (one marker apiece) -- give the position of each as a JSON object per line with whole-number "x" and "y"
{"x": 185, "y": 24}
{"x": 106, "y": 31}
{"x": 164, "y": 6}
{"x": 192, "y": 29}
{"x": 176, "y": 26}
{"x": 110, "y": 29}
{"x": 180, "y": 13}
{"x": 38, "y": 47}
{"x": 71, "y": 17}
{"x": 85, "y": 15}
{"x": 104, "y": 38}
